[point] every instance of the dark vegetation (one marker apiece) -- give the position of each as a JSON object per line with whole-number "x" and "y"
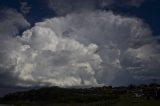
{"x": 142, "y": 95}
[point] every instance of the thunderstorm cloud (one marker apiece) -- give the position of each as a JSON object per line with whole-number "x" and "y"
{"x": 88, "y": 48}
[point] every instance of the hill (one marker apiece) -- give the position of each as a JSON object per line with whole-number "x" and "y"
{"x": 92, "y": 96}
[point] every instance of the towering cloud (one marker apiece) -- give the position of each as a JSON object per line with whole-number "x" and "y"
{"x": 81, "y": 49}
{"x": 47, "y": 58}
{"x": 11, "y": 22}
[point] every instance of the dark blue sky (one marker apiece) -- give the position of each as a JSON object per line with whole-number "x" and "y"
{"x": 39, "y": 9}
{"x": 149, "y": 11}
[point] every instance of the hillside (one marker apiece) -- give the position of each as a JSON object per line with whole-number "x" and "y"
{"x": 101, "y": 95}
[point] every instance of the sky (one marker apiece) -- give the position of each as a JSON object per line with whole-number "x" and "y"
{"x": 78, "y": 43}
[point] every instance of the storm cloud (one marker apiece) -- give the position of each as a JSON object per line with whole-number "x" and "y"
{"x": 89, "y": 48}
{"x": 10, "y": 24}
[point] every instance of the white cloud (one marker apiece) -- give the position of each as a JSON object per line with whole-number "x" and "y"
{"x": 89, "y": 48}
{"x": 114, "y": 34}
{"x": 46, "y": 59}
{"x": 10, "y": 24}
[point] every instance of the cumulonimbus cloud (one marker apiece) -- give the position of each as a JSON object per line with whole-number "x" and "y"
{"x": 11, "y": 22}
{"x": 83, "y": 49}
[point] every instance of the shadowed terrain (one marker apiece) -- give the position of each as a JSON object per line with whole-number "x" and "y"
{"x": 142, "y": 95}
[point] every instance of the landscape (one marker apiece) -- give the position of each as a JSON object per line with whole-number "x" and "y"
{"x": 79, "y": 52}
{"x": 142, "y": 95}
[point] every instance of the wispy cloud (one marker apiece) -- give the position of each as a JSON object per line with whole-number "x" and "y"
{"x": 25, "y": 8}
{"x": 63, "y": 7}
